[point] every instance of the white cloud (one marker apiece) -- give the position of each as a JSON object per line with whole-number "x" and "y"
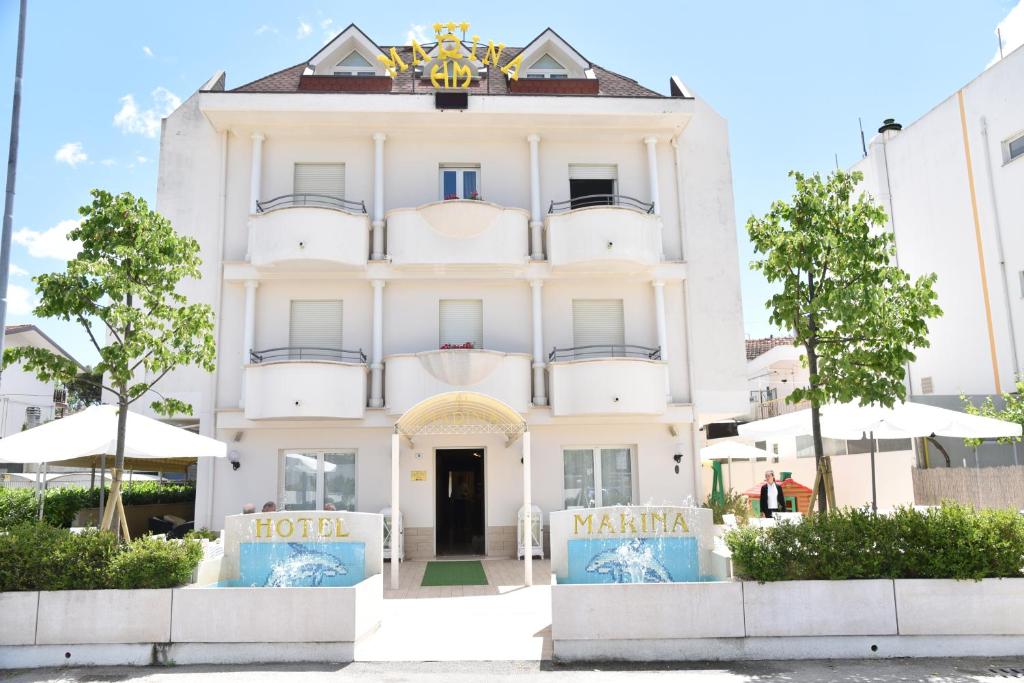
{"x": 20, "y": 300}
{"x": 16, "y": 270}
{"x": 1011, "y": 31}
{"x": 131, "y": 119}
{"x": 108, "y": 162}
{"x": 304, "y": 30}
{"x": 52, "y": 243}
{"x": 265, "y": 28}
{"x": 417, "y": 32}
{"x": 141, "y": 159}
{"x": 71, "y": 153}
{"x": 146, "y": 51}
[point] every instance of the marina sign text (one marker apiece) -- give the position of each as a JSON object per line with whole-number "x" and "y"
{"x": 452, "y": 65}
{"x": 629, "y": 522}
{"x": 300, "y": 527}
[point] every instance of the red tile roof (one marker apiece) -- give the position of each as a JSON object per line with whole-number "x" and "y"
{"x": 755, "y": 347}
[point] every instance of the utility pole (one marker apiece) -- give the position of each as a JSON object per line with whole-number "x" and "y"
{"x": 12, "y": 168}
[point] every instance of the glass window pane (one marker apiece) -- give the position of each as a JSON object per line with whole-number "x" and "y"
{"x": 1016, "y": 147}
{"x": 616, "y": 477}
{"x": 300, "y": 470}
{"x": 468, "y": 184}
{"x": 579, "y": 478}
{"x": 340, "y": 480}
{"x": 449, "y": 178}
{"x": 890, "y": 445}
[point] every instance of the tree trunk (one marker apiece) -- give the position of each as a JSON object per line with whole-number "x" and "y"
{"x": 812, "y": 366}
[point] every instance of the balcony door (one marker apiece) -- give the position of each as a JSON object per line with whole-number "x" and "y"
{"x": 598, "y": 327}
{"x": 315, "y": 329}
{"x": 592, "y": 184}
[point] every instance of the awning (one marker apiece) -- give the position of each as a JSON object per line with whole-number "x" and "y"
{"x": 461, "y": 412}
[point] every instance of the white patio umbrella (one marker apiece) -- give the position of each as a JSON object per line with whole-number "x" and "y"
{"x": 732, "y": 450}
{"x": 86, "y": 438}
{"x": 902, "y": 421}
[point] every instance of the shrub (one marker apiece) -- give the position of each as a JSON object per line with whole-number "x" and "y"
{"x": 197, "y": 534}
{"x": 17, "y": 506}
{"x": 735, "y": 504}
{"x": 37, "y": 556}
{"x": 951, "y": 542}
{"x": 63, "y": 503}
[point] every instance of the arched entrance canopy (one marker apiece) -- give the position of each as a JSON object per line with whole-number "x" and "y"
{"x": 461, "y": 412}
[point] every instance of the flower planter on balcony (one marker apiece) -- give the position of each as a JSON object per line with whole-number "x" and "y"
{"x": 305, "y": 389}
{"x": 300, "y": 236}
{"x": 412, "y": 377}
{"x": 608, "y": 237}
{"x": 463, "y": 232}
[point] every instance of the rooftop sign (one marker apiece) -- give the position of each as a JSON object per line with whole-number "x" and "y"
{"x": 451, "y": 67}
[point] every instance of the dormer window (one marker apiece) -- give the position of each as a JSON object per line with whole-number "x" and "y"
{"x": 354, "y": 65}
{"x": 547, "y": 67}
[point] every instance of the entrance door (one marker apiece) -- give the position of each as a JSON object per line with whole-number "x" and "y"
{"x": 460, "y": 501}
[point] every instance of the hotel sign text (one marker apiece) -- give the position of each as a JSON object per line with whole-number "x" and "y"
{"x": 631, "y": 523}
{"x": 300, "y": 527}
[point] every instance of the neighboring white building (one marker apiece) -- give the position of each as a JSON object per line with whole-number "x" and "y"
{"x": 25, "y": 401}
{"x": 952, "y": 184}
{"x": 357, "y": 230}
{"x": 774, "y": 370}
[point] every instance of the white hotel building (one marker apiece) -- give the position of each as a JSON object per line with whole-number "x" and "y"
{"x": 593, "y": 284}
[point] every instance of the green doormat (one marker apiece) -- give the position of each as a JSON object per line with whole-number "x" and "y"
{"x": 455, "y": 573}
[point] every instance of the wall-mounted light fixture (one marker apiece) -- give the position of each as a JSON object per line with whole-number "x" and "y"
{"x": 234, "y": 459}
{"x": 678, "y": 457}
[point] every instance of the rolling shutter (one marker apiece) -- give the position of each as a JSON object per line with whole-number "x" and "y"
{"x": 326, "y": 179}
{"x": 597, "y": 322}
{"x": 461, "y": 321}
{"x": 316, "y": 324}
{"x": 593, "y": 172}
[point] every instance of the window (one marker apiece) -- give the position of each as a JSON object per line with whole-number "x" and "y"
{"x": 354, "y": 65}
{"x": 460, "y": 182}
{"x": 315, "y": 326}
{"x": 592, "y": 184}
{"x": 594, "y": 477}
{"x": 318, "y": 178}
{"x": 598, "y": 322}
{"x": 460, "y": 322}
{"x": 547, "y": 67}
{"x": 1013, "y": 148}
{"x": 805, "y": 446}
{"x": 313, "y": 479}
{"x": 881, "y": 445}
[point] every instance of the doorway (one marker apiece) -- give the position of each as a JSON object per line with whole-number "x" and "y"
{"x": 459, "y": 500}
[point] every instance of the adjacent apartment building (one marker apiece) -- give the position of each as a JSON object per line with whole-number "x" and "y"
{"x": 952, "y": 183}
{"x": 495, "y": 275}
{"x": 25, "y": 400}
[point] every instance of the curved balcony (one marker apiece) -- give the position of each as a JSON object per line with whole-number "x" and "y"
{"x": 458, "y": 232}
{"x": 305, "y": 383}
{"x": 605, "y": 231}
{"x": 411, "y": 377}
{"x": 297, "y": 230}
{"x": 607, "y": 380}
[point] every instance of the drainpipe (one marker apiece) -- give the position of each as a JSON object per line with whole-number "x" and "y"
{"x": 677, "y": 165}
{"x": 999, "y": 246}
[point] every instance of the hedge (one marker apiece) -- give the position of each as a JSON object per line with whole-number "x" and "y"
{"x": 36, "y": 556}
{"x": 950, "y": 542}
{"x": 63, "y": 503}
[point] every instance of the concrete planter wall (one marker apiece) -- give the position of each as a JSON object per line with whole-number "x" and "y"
{"x": 18, "y": 623}
{"x": 819, "y": 608}
{"x": 990, "y": 607}
{"x": 107, "y": 616}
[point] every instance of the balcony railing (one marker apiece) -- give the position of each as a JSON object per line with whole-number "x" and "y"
{"x": 776, "y": 407}
{"x": 605, "y": 351}
{"x": 286, "y": 353}
{"x": 601, "y": 200}
{"x": 321, "y": 201}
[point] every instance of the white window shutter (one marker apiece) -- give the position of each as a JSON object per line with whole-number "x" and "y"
{"x": 461, "y": 321}
{"x": 598, "y": 322}
{"x": 328, "y": 179}
{"x": 593, "y": 172}
{"x": 316, "y": 324}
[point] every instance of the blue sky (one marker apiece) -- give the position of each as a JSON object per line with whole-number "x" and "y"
{"x": 790, "y": 77}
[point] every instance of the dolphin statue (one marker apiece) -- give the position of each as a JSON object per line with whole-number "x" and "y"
{"x": 631, "y": 562}
{"x": 304, "y": 564}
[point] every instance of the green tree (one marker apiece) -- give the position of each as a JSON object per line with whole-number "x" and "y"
{"x": 857, "y": 315}
{"x": 85, "y": 390}
{"x": 1012, "y": 411}
{"x": 122, "y": 288}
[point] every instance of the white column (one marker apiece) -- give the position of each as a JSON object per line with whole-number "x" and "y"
{"x": 652, "y": 171}
{"x": 377, "y": 352}
{"x": 536, "y": 220}
{"x": 248, "y": 330}
{"x": 659, "y": 321}
{"x": 256, "y": 170}
{"x": 378, "y": 196}
{"x": 527, "y": 513}
{"x": 539, "y": 393}
{"x": 396, "y": 447}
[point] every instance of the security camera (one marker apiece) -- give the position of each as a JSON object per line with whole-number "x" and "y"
{"x": 234, "y": 460}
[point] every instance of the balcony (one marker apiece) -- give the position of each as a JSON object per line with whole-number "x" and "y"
{"x": 411, "y": 377}
{"x": 305, "y": 383}
{"x": 298, "y": 230}
{"x": 762, "y": 410}
{"x": 610, "y": 232}
{"x": 458, "y": 232}
{"x": 607, "y": 380}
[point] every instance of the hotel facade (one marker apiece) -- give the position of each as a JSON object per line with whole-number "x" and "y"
{"x": 457, "y": 277}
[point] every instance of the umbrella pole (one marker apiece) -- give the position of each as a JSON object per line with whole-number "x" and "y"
{"x": 103, "y": 486}
{"x": 729, "y": 482}
{"x": 874, "y": 490}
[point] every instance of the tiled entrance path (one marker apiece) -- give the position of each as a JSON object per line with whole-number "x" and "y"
{"x": 500, "y": 621}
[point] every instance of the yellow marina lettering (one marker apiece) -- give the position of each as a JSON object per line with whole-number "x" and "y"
{"x": 514, "y": 67}
{"x": 448, "y": 47}
{"x": 476, "y": 41}
{"x": 323, "y": 527}
{"x": 264, "y": 528}
{"x": 654, "y": 522}
{"x": 577, "y": 520}
{"x": 393, "y": 63}
{"x": 643, "y": 522}
{"x": 606, "y": 522}
{"x": 626, "y": 519}
{"x": 459, "y": 69}
{"x": 680, "y": 523}
{"x": 418, "y": 52}
{"x": 493, "y": 55}
{"x": 280, "y": 525}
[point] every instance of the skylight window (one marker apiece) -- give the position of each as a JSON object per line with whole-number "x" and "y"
{"x": 547, "y": 67}
{"x": 354, "y": 65}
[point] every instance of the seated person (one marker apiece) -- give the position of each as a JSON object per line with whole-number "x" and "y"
{"x": 270, "y": 506}
{"x": 329, "y": 507}
{"x": 248, "y": 508}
